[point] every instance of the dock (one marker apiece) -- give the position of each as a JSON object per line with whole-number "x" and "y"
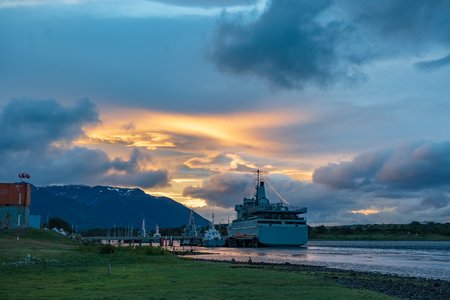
{"x": 164, "y": 241}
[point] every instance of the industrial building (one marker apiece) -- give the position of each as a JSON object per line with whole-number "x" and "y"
{"x": 15, "y": 201}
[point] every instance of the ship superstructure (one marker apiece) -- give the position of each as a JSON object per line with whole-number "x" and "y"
{"x": 212, "y": 236}
{"x": 267, "y": 224}
{"x": 191, "y": 236}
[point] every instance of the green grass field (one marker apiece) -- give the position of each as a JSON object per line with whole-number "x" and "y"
{"x": 43, "y": 265}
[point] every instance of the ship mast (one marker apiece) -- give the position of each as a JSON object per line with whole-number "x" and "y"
{"x": 258, "y": 175}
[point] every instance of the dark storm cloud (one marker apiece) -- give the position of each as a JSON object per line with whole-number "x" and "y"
{"x": 347, "y": 206}
{"x": 287, "y": 45}
{"x": 296, "y": 43}
{"x": 36, "y": 136}
{"x": 414, "y": 166}
{"x": 406, "y": 23}
{"x": 132, "y": 172}
{"x": 137, "y": 156}
{"x": 34, "y": 124}
{"x": 85, "y": 166}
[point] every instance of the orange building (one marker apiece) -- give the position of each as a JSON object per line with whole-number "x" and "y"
{"x": 15, "y": 201}
{"x": 13, "y": 193}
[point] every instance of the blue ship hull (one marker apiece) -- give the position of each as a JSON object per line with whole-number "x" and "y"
{"x": 279, "y": 233}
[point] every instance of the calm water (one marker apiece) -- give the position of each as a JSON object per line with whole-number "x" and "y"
{"x": 409, "y": 258}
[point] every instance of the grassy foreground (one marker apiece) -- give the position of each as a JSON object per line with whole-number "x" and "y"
{"x": 44, "y": 265}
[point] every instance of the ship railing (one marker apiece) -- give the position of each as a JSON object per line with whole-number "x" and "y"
{"x": 298, "y": 208}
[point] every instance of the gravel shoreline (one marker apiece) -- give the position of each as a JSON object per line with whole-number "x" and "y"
{"x": 393, "y": 285}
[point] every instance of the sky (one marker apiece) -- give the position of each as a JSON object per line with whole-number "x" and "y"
{"x": 343, "y": 104}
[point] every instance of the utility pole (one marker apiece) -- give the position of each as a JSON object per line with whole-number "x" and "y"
{"x": 19, "y": 192}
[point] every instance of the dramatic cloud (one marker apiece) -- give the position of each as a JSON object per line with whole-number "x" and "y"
{"x": 37, "y": 136}
{"x": 287, "y": 45}
{"x": 414, "y": 166}
{"x": 407, "y": 24}
{"x": 295, "y": 43}
{"x": 92, "y": 167}
{"x": 223, "y": 190}
{"x": 33, "y": 125}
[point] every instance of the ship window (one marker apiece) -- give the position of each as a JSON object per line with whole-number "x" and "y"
{"x": 269, "y": 222}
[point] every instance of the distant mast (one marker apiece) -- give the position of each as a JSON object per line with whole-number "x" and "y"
{"x": 143, "y": 228}
{"x": 192, "y": 229}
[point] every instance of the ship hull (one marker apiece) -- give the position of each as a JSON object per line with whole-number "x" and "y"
{"x": 214, "y": 243}
{"x": 271, "y": 233}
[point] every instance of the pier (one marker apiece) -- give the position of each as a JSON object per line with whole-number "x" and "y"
{"x": 247, "y": 241}
{"x": 165, "y": 241}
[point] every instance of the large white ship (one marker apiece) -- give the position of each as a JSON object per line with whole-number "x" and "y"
{"x": 261, "y": 223}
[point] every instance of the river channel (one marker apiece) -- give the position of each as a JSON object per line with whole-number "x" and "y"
{"x": 406, "y": 258}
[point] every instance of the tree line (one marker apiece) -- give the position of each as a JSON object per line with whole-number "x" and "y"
{"x": 413, "y": 228}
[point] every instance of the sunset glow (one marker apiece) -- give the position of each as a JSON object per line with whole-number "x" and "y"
{"x": 154, "y": 130}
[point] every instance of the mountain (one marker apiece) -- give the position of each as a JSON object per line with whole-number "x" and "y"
{"x": 104, "y": 207}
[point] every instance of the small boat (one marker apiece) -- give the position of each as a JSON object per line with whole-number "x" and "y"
{"x": 212, "y": 237}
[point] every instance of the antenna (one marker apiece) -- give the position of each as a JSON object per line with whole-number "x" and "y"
{"x": 258, "y": 179}
{"x": 275, "y": 191}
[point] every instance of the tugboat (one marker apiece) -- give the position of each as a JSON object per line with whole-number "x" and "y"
{"x": 212, "y": 237}
{"x": 261, "y": 223}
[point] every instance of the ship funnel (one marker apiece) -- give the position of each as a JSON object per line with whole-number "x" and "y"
{"x": 261, "y": 194}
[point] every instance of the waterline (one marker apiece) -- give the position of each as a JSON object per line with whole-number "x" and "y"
{"x": 406, "y": 258}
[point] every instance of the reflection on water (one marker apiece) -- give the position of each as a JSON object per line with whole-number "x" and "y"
{"x": 407, "y": 258}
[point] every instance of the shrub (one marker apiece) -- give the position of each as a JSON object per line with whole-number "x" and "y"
{"x": 155, "y": 251}
{"x": 107, "y": 249}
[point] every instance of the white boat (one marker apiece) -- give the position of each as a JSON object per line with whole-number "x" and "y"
{"x": 212, "y": 237}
